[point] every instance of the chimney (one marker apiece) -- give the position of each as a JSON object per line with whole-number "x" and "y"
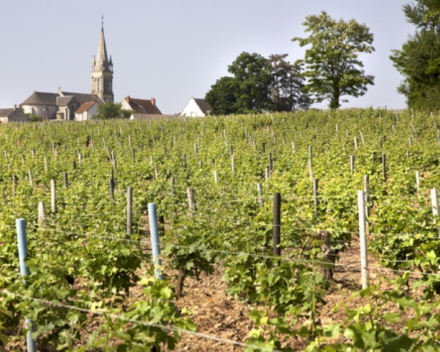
{"x": 128, "y": 98}
{"x": 15, "y": 106}
{"x": 153, "y": 101}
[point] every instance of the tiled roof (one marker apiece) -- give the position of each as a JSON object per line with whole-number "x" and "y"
{"x": 85, "y": 107}
{"x": 203, "y": 105}
{"x": 5, "y": 112}
{"x": 143, "y": 106}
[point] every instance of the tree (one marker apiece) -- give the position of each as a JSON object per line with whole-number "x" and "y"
{"x": 332, "y": 66}
{"x": 253, "y": 78}
{"x": 287, "y": 90}
{"x": 221, "y": 97}
{"x": 112, "y": 110}
{"x": 419, "y": 59}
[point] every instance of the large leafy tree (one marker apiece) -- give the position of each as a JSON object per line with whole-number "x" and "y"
{"x": 221, "y": 97}
{"x": 288, "y": 86}
{"x": 253, "y": 77}
{"x": 332, "y": 65}
{"x": 258, "y": 84}
{"x": 419, "y": 59}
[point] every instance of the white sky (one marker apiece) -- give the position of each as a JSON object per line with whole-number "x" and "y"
{"x": 173, "y": 50}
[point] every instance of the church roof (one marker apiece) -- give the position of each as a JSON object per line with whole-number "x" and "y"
{"x": 143, "y": 106}
{"x": 84, "y": 97}
{"x": 6, "y": 112}
{"x": 63, "y": 101}
{"x": 203, "y": 105}
{"x": 40, "y": 98}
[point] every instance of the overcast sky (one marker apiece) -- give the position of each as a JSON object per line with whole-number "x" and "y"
{"x": 176, "y": 49}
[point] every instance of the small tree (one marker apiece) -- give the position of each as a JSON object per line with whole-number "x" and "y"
{"x": 332, "y": 66}
{"x": 112, "y": 110}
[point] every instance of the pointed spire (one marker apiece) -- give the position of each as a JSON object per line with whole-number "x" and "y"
{"x": 101, "y": 57}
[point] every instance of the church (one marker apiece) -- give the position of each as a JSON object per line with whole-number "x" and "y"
{"x": 62, "y": 105}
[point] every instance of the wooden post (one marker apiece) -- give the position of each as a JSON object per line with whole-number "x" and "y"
{"x": 191, "y": 201}
{"x": 367, "y": 193}
{"x": 363, "y": 239}
{"x": 384, "y": 167}
{"x": 74, "y": 165}
{"x": 215, "y": 177}
{"x": 417, "y": 182}
{"x": 315, "y": 196}
{"x": 14, "y": 185}
{"x": 129, "y": 211}
{"x": 41, "y": 213}
{"x": 53, "y": 196}
{"x": 233, "y": 163}
{"x": 355, "y": 143}
{"x": 172, "y": 181}
{"x": 362, "y": 137}
{"x": 276, "y": 224}
{"x": 260, "y": 194}
{"x": 24, "y": 271}
{"x": 310, "y": 163}
{"x": 46, "y": 167}
{"x": 31, "y": 182}
{"x": 434, "y": 203}
{"x": 184, "y": 160}
{"x": 266, "y": 174}
{"x": 66, "y": 180}
{"x": 112, "y": 188}
{"x": 79, "y": 157}
{"x": 270, "y": 163}
{"x": 352, "y": 164}
{"x": 293, "y": 147}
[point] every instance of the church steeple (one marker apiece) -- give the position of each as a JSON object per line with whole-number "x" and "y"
{"x": 102, "y": 71}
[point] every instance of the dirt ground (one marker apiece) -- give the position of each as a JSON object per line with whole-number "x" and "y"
{"x": 222, "y": 317}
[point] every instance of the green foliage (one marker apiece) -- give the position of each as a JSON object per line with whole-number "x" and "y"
{"x": 82, "y": 256}
{"x": 34, "y": 118}
{"x": 252, "y": 74}
{"x": 418, "y": 60}
{"x": 221, "y": 96}
{"x": 288, "y": 87}
{"x": 112, "y": 110}
{"x": 333, "y": 69}
{"x": 258, "y": 85}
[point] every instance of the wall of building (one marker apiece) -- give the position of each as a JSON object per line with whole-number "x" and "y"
{"x": 17, "y": 116}
{"x": 41, "y": 110}
{"x": 192, "y": 110}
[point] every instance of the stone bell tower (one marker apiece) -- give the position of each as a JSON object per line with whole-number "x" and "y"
{"x": 102, "y": 72}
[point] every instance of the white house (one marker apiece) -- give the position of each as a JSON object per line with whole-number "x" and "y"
{"x": 86, "y": 110}
{"x": 196, "y": 108}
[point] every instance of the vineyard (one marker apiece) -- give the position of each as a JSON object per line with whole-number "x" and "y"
{"x": 268, "y": 203}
